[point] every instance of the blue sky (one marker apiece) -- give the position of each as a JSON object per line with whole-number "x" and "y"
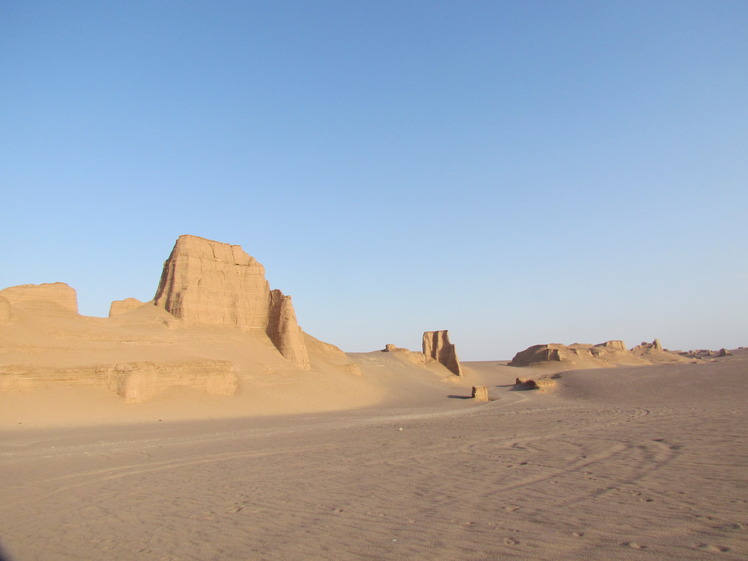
{"x": 515, "y": 172}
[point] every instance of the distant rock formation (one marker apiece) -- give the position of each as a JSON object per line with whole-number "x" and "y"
{"x": 544, "y": 383}
{"x": 610, "y": 353}
{"x": 436, "y": 345}
{"x": 654, "y": 353}
{"x": 119, "y": 307}
{"x": 406, "y": 354}
{"x": 56, "y": 292}
{"x": 210, "y": 282}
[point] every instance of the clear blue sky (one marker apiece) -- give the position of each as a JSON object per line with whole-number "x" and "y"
{"x": 516, "y": 172}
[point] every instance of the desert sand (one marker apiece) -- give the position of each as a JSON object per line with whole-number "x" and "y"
{"x": 207, "y": 425}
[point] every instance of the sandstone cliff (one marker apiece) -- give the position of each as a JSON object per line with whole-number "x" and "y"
{"x": 436, "y": 345}
{"x": 284, "y": 331}
{"x": 209, "y": 282}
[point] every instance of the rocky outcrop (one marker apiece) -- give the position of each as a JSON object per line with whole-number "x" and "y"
{"x": 209, "y": 282}
{"x": 119, "y": 307}
{"x": 480, "y": 393}
{"x": 56, "y": 292}
{"x": 436, "y": 345}
{"x": 615, "y": 345}
{"x": 653, "y": 353}
{"x": 610, "y": 353}
{"x": 544, "y": 383}
{"x": 284, "y": 331}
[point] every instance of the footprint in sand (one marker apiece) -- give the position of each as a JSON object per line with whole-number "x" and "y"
{"x": 634, "y": 545}
{"x": 511, "y": 541}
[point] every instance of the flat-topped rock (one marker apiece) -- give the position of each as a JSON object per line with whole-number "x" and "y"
{"x": 610, "y": 353}
{"x": 57, "y": 292}
{"x": 209, "y": 282}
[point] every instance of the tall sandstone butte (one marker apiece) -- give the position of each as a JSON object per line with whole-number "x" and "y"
{"x": 437, "y": 346}
{"x": 215, "y": 283}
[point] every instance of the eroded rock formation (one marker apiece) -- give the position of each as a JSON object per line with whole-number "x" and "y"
{"x": 610, "y": 353}
{"x": 284, "y": 331}
{"x": 56, "y": 292}
{"x": 209, "y": 282}
{"x": 480, "y": 393}
{"x": 544, "y": 383}
{"x": 436, "y": 345}
{"x": 134, "y": 382}
{"x": 121, "y": 306}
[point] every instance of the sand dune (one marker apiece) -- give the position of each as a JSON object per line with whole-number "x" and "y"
{"x": 627, "y": 463}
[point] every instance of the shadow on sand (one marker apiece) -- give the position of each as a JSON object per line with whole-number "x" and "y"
{"x": 3, "y": 556}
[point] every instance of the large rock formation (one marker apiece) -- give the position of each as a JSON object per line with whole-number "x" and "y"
{"x": 436, "y": 345}
{"x": 610, "y": 351}
{"x": 204, "y": 281}
{"x": 579, "y": 355}
{"x": 209, "y": 282}
{"x": 56, "y": 292}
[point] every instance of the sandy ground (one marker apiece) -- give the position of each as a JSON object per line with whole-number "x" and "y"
{"x": 624, "y": 463}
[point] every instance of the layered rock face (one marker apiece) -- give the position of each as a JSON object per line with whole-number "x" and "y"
{"x": 134, "y": 382}
{"x": 209, "y": 282}
{"x": 610, "y": 353}
{"x": 436, "y": 345}
{"x": 284, "y": 331}
{"x": 58, "y": 292}
{"x": 204, "y": 281}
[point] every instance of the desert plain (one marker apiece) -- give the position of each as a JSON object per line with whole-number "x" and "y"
{"x": 206, "y": 425}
